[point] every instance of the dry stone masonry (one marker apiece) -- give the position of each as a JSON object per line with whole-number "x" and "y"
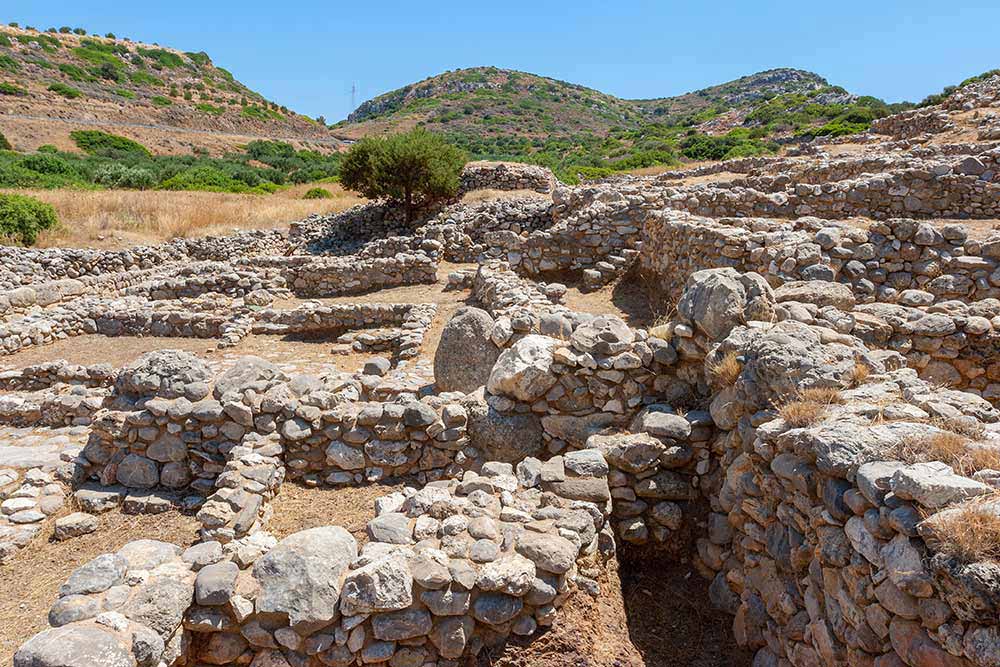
{"x": 811, "y": 419}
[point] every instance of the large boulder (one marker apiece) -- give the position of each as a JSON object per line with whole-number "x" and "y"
{"x": 385, "y": 584}
{"x": 75, "y": 645}
{"x": 782, "y": 360}
{"x": 717, "y": 300}
{"x": 501, "y": 437}
{"x": 603, "y": 335}
{"x": 817, "y": 292}
{"x": 524, "y": 371}
{"x": 248, "y": 373}
{"x": 301, "y": 576}
{"x": 166, "y": 374}
{"x": 465, "y": 355}
{"x": 160, "y": 601}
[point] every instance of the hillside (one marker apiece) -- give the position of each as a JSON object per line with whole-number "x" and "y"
{"x": 52, "y": 83}
{"x": 503, "y": 114}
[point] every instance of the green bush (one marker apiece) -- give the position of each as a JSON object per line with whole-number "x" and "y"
{"x": 142, "y": 78}
{"x": 161, "y": 57}
{"x": 412, "y": 168}
{"x": 116, "y": 175}
{"x": 200, "y": 59}
{"x": 8, "y": 63}
{"x": 5, "y": 40}
{"x": 161, "y": 101}
{"x": 21, "y": 218}
{"x": 208, "y": 179}
{"x": 4, "y": 143}
{"x": 47, "y": 148}
{"x": 124, "y": 92}
{"x": 11, "y": 89}
{"x": 317, "y": 193}
{"x": 66, "y": 91}
{"x": 96, "y": 142}
{"x": 260, "y": 113}
{"x": 211, "y": 109}
{"x": 75, "y": 73}
{"x": 46, "y": 163}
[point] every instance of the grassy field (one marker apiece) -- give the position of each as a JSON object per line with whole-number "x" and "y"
{"x": 119, "y": 218}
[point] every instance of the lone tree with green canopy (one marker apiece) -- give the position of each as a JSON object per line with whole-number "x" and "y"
{"x": 414, "y": 169}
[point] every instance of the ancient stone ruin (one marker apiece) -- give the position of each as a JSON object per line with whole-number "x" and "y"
{"x": 809, "y": 416}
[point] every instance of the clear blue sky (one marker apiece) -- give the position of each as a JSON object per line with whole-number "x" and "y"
{"x": 307, "y": 53}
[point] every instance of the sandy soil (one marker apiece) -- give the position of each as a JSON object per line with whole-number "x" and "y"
{"x": 29, "y": 582}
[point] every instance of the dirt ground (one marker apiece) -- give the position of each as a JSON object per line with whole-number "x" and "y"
{"x": 626, "y": 298}
{"x": 589, "y": 632}
{"x": 298, "y": 507}
{"x": 30, "y": 580}
{"x": 670, "y": 620}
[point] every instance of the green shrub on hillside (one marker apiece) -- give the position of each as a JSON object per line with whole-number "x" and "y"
{"x": 317, "y": 193}
{"x": 48, "y": 43}
{"x": 8, "y": 63}
{"x": 209, "y": 179}
{"x": 4, "y": 143}
{"x": 161, "y": 101}
{"x": 11, "y": 89}
{"x": 5, "y": 40}
{"x": 161, "y": 57}
{"x": 65, "y": 91}
{"x": 47, "y": 148}
{"x": 75, "y": 73}
{"x": 200, "y": 59}
{"x": 737, "y": 143}
{"x": 96, "y": 142}
{"x": 46, "y": 163}
{"x": 211, "y": 109}
{"x": 260, "y": 113}
{"x": 99, "y": 53}
{"x": 116, "y": 175}
{"x": 143, "y": 78}
{"x": 124, "y": 92}
{"x": 22, "y": 218}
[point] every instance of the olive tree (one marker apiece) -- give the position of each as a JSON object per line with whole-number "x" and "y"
{"x": 414, "y": 169}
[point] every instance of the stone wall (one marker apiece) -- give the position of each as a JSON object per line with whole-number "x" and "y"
{"x": 319, "y": 277}
{"x": 506, "y": 176}
{"x": 913, "y": 123}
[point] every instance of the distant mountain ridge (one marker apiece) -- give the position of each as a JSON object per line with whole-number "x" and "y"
{"x": 506, "y": 114}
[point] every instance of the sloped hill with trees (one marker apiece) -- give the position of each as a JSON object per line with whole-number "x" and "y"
{"x": 508, "y": 115}
{"x": 65, "y": 75}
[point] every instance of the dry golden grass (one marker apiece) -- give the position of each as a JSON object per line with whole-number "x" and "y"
{"x": 955, "y": 449}
{"x": 111, "y": 218}
{"x": 726, "y": 371}
{"x": 809, "y": 406}
{"x": 858, "y": 375}
{"x": 969, "y": 532}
